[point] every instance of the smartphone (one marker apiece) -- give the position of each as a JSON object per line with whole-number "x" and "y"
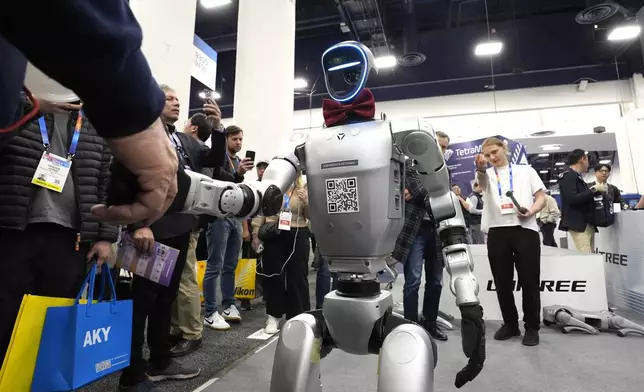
{"x": 250, "y": 155}
{"x": 208, "y": 97}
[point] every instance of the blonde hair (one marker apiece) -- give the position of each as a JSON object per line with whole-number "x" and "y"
{"x": 495, "y": 141}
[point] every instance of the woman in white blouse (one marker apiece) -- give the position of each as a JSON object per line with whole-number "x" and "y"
{"x": 512, "y": 196}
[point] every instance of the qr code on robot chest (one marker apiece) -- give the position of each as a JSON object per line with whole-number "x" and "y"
{"x": 342, "y": 195}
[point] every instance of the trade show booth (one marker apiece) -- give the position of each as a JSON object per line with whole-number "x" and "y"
{"x": 567, "y": 278}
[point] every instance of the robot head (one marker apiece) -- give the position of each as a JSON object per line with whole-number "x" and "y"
{"x": 44, "y": 87}
{"x": 346, "y": 69}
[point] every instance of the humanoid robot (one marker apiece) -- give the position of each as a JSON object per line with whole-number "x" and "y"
{"x": 355, "y": 179}
{"x": 589, "y": 322}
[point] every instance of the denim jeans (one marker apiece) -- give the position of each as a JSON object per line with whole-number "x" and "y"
{"x": 224, "y": 237}
{"x": 424, "y": 245}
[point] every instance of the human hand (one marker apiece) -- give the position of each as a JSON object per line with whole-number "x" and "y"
{"x": 524, "y": 213}
{"x": 599, "y": 188}
{"x": 213, "y": 113}
{"x": 408, "y": 195}
{"x": 255, "y": 243}
{"x": 302, "y": 194}
{"x": 245, "y": 235}
{"x": 480, "y": 162}
{"x": 143, "y": 240}
{"x": 245, "y": 165}
{"x": 57, "y": 107}
{"x": 102, "y": 250}
{"x": 150, "y": 158}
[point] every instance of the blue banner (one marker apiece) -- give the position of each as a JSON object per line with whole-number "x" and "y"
{"x": 460, "y": 160}
{"x": 204, "y": 67}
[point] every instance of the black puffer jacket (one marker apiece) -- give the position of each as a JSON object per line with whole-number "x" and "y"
{"x": 90, "y": 169}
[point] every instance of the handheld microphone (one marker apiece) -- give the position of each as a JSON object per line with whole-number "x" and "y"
{"x": 522, "y": 210}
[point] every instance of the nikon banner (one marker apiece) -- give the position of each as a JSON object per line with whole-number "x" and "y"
{"x": 460, "y": 160}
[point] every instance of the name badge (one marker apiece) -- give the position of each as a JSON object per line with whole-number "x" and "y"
{"x": 52, "y": 172}
{"x": 507, "y": 206}
{"x": 285, "y": 221}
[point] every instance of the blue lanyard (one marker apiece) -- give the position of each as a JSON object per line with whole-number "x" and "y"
{"x": 498, "y": 181}
{"x": 77, "y": 130}
{"x": 287, "y": 200}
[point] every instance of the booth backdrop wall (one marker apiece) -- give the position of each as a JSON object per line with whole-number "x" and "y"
{"x": 622, "y": 248}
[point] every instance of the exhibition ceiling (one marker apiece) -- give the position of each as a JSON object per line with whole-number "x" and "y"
{"x": 542, "y": 44}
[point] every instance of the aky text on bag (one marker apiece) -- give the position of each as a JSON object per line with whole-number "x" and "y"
{"x": 96, "y": 336}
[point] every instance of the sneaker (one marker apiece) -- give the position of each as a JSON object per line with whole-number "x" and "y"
{"x": 434, "y": 331}
{"x": 507, "y": 332}
{"x": 145, "y": 386}
{"x": 531, "y": 337}
{"x": 216, "y": 322}
{"x": 173, "y": 372}
{"x": 185, "y": 347}
{"x": 272, "y": 325}
{"x": 246, "y": 305}
{"x": 231, "y": 314}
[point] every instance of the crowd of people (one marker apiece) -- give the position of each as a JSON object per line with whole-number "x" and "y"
{"x": 53, "y": 226}
{"x": 40, "y": 226}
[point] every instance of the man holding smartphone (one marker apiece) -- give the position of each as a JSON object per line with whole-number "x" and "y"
{"x": 153, "y": 303}
{"x": 224, "y": 237}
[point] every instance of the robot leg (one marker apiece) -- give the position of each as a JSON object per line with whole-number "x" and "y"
{"x": 407, "y": 360}
{"x": 445, "y": 316}
{"x": 624, "y": 326}
{"x": 444, "y": 324}
{"x": 296, "y": 367}
{"x": 573, "y": 324}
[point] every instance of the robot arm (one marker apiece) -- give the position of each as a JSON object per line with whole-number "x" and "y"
{"x": 416, "y": 140}
{"x": 201, "y": 195}
{"x": 223, "y": 199}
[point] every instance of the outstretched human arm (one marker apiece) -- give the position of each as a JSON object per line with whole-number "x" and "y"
{"x": 108, "y": 70}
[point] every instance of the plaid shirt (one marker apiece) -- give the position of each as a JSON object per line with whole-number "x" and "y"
{"x": 414, "y": 214}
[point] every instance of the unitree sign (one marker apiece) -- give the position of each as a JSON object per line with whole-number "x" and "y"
{"x": 460, "y": 160}
{"x": 553, "y": 286}
{"x": 614, "y": 258}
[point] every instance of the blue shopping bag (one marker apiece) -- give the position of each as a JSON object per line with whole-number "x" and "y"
{"x": 84, "y": 342}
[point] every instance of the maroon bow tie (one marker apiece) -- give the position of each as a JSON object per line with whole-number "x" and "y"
{"x": 363, "y": 105}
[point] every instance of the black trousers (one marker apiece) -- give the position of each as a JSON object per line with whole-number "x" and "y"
{"x": 515, "y": 247}
{"x": 41, "y": 260}
{"x": 153, "y": 303}
{"x": 548, "y": 231}
{"x": 314, "y": 243}
{"x": 287, "y": 292}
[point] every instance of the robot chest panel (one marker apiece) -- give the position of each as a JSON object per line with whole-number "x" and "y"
{"x": 352, "y": 195}
{"x": 349, "y": 148}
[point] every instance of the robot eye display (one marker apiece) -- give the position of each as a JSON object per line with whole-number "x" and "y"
{"x": 344, "y": 69}
{"x": 352, "y": 77}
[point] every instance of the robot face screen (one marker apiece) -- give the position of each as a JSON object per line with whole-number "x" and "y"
{"x": 345, "y": 68}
